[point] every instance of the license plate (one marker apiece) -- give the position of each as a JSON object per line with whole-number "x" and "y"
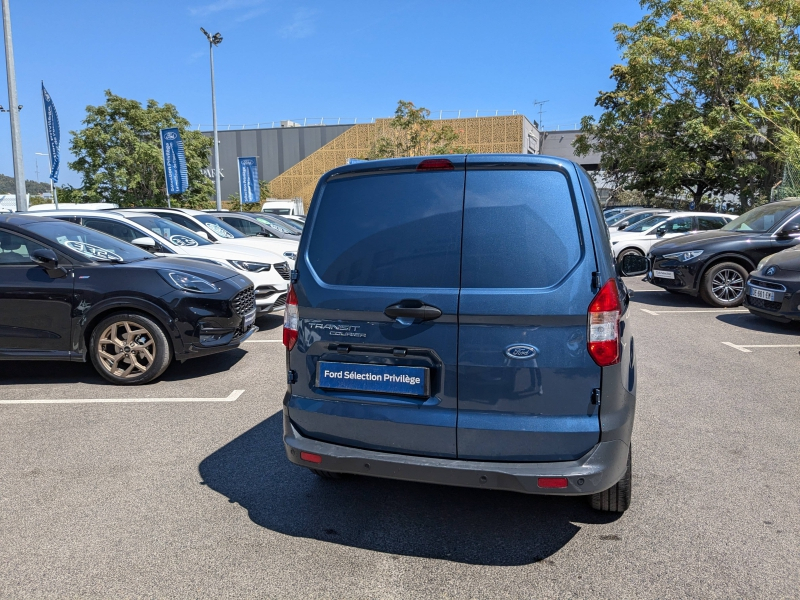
{"x": 763, "y": 294}
{"x": 249, "y": 319}
{"x": 381, "y": 379}
{"x": 664, "y": 274}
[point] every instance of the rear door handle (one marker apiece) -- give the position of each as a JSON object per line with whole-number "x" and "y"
{"x": 412, "y": 309}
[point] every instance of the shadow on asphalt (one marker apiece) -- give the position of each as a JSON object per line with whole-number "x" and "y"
{"x": 753, "y": 323}
{"x": 664, "y": 299}
{"x": 410, "y": 519}
{"x": 270, "y": 322}
{"x": 45, "y": 372}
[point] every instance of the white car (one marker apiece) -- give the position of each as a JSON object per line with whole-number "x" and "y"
{"x": 268, "y": 271}
{"x": 625, "y": 220}
{"x": 640, "y": 237}
{"x": 217, "y": 230}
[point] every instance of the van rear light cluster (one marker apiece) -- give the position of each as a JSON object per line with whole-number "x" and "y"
{"x": 603, "y": 334}
{"x": 290, "y": 320}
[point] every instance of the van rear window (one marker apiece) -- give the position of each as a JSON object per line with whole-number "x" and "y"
{"x": 401, "y": 230}
{"x": 520, "y": 229}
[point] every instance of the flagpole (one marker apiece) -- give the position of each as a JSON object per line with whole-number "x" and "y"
{"x": 49, "y": 152}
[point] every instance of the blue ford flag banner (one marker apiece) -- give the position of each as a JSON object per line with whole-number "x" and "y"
{"x": 174, "y": 161}
{"x": 383, "y": 379}
{"x": 248, "y": 180}
{"x": 53, "y": 131}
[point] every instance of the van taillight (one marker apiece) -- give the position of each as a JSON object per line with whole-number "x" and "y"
{"x": 603, "y": 334}
{"x": 435, "y": 164}
{"x": 290, "y": 320}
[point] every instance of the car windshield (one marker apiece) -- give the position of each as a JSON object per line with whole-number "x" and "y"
{"x": 280, "y": 226}
{"x": 170, "y": 230}
{"x": 646, "y": 224}
{"x": 761, "y": 219}
{"x": 221, "y": 228}
{"x": 616, "y": 218}
{"x": 88, "y": 242}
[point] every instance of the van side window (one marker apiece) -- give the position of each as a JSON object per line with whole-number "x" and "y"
{"x": 519, "y": 229}
{"x": 399, "y": 230}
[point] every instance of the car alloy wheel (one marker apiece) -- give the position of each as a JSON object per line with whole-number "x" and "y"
{"x": 126, "y": 349}
{"x": 727, "y": 285}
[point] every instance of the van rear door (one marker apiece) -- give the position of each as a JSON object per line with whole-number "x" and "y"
{"x": 377, "y": 291}
{"x": 525, "y": 378}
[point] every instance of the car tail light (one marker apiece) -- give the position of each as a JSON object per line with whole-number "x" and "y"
{"x": 552, "y": 482}
{"x": 435, "y": 164}
{"x": 314, "y": 458}
{"x": 290, "y": 320}
{"x": 603, "y": 335}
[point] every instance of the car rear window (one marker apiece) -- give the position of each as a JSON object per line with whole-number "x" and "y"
{"x": 520, "y": 229}
{"x": 398, "y": 230}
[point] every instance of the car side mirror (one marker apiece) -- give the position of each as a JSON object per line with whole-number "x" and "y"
{"x": 661, "y": 231}
{"x": 203, "y": 234}
{"x": 145, "y": 243}
{"x": 48, "y": 260}
{"x": 634, "y": 264}
{"x": 789, "y": 230}
{"x": 621, "y": 227}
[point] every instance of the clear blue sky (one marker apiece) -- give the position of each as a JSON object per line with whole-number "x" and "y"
{"x": 289, "y": 60}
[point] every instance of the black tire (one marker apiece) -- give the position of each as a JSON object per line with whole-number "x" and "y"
{"x": 723, "y": 285}
{"x": 326, "y": 474}
{"x": 618, "y": 497}
{"x": 122, "y": 362}
{"x": 626, "y": 252}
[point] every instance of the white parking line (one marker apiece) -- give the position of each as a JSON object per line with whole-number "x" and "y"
{"x": 263, "y": 341}
{"x": 231, "y": 397}
{"x": 704, "y": 310}
{"x": 744, "y": 348}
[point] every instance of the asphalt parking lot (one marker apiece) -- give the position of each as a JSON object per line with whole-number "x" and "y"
{"x": 180, "y": 497}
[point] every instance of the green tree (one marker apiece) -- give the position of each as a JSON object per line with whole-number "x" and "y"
{"x": 412, "y": 133}
{"x": 234, "y": 203}
{"x": 693, "y": 71}
{"x": 118, "y": 154}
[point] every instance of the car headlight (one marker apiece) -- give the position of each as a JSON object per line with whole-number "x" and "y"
{"x": 684, "y": 256}
{"x": 762, "y": 262}
{"x": 290, "y": 255}
{"x": 252, "y": 267}
{"x": 188, "y": 282}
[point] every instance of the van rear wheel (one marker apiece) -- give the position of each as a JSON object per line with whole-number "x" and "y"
{"x": 617, "y": 498}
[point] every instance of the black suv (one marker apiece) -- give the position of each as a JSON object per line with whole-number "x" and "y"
{"x": 715, "y": 264}
{"x": 67, "y": 291}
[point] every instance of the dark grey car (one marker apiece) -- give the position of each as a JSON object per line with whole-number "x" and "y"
{"x": 255, "y": 224}
{"x": 459, "y": 320}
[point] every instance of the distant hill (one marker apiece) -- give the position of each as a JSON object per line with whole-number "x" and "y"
{"x": 33, "y": 187}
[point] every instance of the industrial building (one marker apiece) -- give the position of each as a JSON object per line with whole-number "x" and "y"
{"x": 293, "y": 157}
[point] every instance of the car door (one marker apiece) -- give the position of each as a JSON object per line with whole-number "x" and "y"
{"x": 526, "y": 283}
{"x": 674, "y": 227}
{"x": 380, "y": 247}
{"x": 35, "y": 308}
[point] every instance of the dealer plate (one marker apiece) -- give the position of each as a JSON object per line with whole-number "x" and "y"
{"x": 664, "y": 274}
{"x": 381, "y": 379}
{"x": 763, "y": 294}
{"x": 249, "y": 319}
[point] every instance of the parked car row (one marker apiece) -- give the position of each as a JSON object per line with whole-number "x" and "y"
{"x": 131, "y": 289}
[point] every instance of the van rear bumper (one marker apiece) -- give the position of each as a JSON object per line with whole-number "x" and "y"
{"x": 599, "y": 469}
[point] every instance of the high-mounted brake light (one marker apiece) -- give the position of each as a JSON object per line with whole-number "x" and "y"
{"x": 603, "y": 333}
{"x": 290, "y": 320}
{"x": 435, "y": 164}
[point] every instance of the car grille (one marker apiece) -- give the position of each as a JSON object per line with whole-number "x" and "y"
{"x": 244, "y": 302}
{"x": 281, "y": 301}
{"x": 763, "y": 304}
{"x": 283, "y": 269}
{"x": 768, "y": 285}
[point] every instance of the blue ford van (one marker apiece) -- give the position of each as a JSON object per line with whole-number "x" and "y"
{"x": 459, "y": 320}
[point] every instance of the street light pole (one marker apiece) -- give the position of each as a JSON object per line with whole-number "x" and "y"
{"x": 13, "y": 109}
{"x": 214, "y": 40}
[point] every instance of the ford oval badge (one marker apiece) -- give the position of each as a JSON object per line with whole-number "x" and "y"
{"x": 521, "y": 351}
